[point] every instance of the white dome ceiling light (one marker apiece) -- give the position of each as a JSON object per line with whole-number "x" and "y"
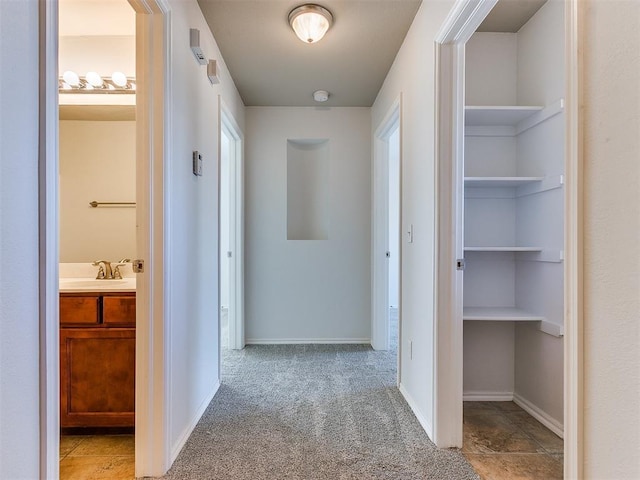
{"x": 310, "y": 22}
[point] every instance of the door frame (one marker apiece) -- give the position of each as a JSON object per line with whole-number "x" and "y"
{"x": 152, "y": 121}
{"x": 230, "y": 127}
{"x": 463, "y": 20}
{"x": 380, "y": 231}
{"x": 153, "y": 381}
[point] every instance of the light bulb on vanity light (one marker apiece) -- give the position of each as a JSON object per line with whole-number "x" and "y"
{"x": 71, "y": 78}
{"x": 94, "y": 79}
{"x": 119, "y": 79}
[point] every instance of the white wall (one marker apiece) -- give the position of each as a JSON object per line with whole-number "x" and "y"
{"x": 19, "y": 351}
{"x": 104, "y": 54}
{"x": 97, "y": 162}
{"x": 612, "y": 240}
{"x": 193, "y": 221}
{"x": 308, "y": 290}
{"x": 539, "y": 359}
{"x": 412, "y": 74}
{"x": 489, "y": 278}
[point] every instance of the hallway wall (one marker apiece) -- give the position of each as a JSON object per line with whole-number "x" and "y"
{"x": 19, "y": 326}
{"x": 611, "y": 240}
{"x": 193, "y": 221}
{"x": 412, "y": 75}
{"x": 308, "y": 290}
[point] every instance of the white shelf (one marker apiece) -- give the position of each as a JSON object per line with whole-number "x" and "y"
{"x": 499, "y": 314}
{"x": 498, "y": 115}
{"x": 502, "y": 249}
{"x": 499, "y": 181}
{"x": 511, "y": 314}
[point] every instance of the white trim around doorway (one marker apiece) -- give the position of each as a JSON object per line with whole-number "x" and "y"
{"x": 380, "y": 231}
{"x": 229, "y": 125}
{"x": 153, "y": 382}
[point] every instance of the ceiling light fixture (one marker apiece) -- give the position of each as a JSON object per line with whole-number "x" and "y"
{"x": 310, "y": 22}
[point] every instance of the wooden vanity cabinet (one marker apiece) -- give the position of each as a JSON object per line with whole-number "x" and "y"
{"x": 97, "y": 359}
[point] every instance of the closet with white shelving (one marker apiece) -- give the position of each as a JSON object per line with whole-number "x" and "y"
{"x": 514, "y": 214}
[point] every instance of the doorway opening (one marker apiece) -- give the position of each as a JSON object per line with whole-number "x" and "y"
{"x": 387, "y": 245}
{"x": 231, "y": 282}
{"x": 148, "y": 30}
{"x": 393, "y": 156}
{"x": 506, "y": 198}
{"x": 97, "y": 237}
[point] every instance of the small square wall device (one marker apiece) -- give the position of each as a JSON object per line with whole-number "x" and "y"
{"x": 197, "y": 163}
{"x": 194, "y": 41}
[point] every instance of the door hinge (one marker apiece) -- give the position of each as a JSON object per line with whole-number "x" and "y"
{"x": 388, "y": 254}
{"x": 138, "y": 266}
{"x": 460, "y": 264}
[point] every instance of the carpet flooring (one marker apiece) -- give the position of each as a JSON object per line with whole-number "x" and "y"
{"x": 312, "y": 412}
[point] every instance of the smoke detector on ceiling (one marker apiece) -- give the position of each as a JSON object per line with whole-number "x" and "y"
{"x": 321, "y": 96}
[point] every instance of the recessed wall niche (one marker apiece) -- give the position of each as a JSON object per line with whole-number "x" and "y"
{"x": 308, "y": 189}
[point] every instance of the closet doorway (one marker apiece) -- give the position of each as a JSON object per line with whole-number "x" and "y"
{"x": 507, "y": 197}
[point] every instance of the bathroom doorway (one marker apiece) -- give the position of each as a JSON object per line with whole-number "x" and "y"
{"x": 97, "y": 237}
{"x": 231, "y": 282}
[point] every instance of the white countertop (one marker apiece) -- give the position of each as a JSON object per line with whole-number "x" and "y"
{"x": 91, "y": 285}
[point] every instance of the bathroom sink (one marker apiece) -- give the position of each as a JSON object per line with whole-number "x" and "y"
{"x": 94, "y": 285}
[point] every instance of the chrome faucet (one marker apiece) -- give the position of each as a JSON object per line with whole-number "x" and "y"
{"x": 104, "y": 272}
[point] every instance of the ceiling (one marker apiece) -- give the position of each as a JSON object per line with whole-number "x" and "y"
{"x": 268, "y": 63}
{"x": 510, "y": 15}
{"x": 270, "y": 66}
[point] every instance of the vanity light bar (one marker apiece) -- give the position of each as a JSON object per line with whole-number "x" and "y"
{"x": 93, "y": 83}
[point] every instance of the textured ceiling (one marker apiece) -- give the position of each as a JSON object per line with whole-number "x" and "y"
{"x": 271, "y": 67}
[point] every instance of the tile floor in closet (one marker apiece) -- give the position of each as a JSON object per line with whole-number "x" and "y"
{"x": 503, "y": 442}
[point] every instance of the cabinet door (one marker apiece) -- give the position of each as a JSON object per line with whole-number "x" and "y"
{"x": 97, "y": 377}
{"x": 119, "y": 310}
{"x": 79, "y": 310}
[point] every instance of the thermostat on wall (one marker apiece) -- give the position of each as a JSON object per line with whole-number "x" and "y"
{"x": 197, "y": 163}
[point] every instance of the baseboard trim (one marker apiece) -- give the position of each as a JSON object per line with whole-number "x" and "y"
{"x": 295, "y": 341}
{"x": 186, "y": 433}
{"x": 540, "y": 415}
{"x": 416, "y": 411}
{"x": 487, "y": 396}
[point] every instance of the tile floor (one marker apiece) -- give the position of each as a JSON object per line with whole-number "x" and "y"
{"x": 97, "y": 457}
{"x": 503, "y": 442}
